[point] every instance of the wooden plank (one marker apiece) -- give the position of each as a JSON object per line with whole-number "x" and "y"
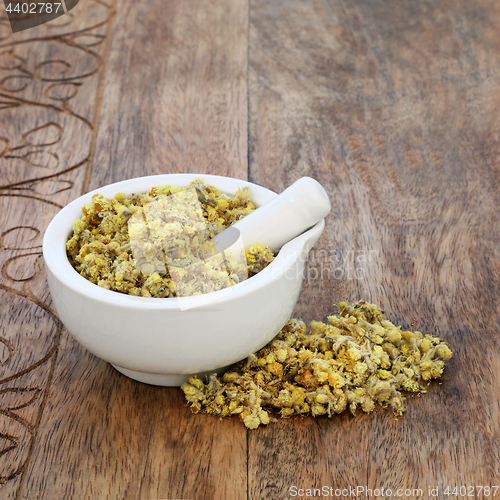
{"x": 393, "y": 106}
{"x": 176, "y": 92}
{"x": 174, "y": 99}
{"x": 48, "y": 82}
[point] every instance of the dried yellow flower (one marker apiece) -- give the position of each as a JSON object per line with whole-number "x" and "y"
{"x": 155, "y": 244}
{"x": 357, "y": 360}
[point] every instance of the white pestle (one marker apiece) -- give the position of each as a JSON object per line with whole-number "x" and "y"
{"x": 296, "y": 209}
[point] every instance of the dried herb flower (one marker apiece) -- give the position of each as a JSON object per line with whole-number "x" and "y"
{"x": 156, "y": 244}
{"x": 356, "y": 360}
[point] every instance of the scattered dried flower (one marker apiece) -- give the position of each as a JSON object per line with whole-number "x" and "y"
{"x": 356, "y": 360}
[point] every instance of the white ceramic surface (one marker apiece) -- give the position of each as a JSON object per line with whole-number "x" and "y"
{"x": 281, "y": 219}
{"x": 164, "y": 341}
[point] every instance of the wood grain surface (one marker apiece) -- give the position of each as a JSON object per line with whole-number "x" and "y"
{"x": 393, "y": 106}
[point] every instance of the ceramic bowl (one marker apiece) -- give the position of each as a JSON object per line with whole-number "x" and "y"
{"x": 163, "y": 341}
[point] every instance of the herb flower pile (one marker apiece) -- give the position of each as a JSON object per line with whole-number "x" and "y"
{"x": 356, "y": 360}
{"x": 121, "y": 243}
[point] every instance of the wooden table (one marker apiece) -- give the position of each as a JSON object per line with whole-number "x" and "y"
{"x": 394, "y": 106}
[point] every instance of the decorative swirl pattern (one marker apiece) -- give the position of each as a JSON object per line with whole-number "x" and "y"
{"x": 47, "y": 105}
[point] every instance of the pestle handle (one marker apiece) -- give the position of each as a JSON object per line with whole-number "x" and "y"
{"x": 286, "y": 216}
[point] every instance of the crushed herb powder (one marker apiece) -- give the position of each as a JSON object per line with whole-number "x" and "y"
{"x": 356, "y": 360}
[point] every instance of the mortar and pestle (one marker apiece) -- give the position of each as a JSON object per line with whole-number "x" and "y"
{"x": 163, "y": 341}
